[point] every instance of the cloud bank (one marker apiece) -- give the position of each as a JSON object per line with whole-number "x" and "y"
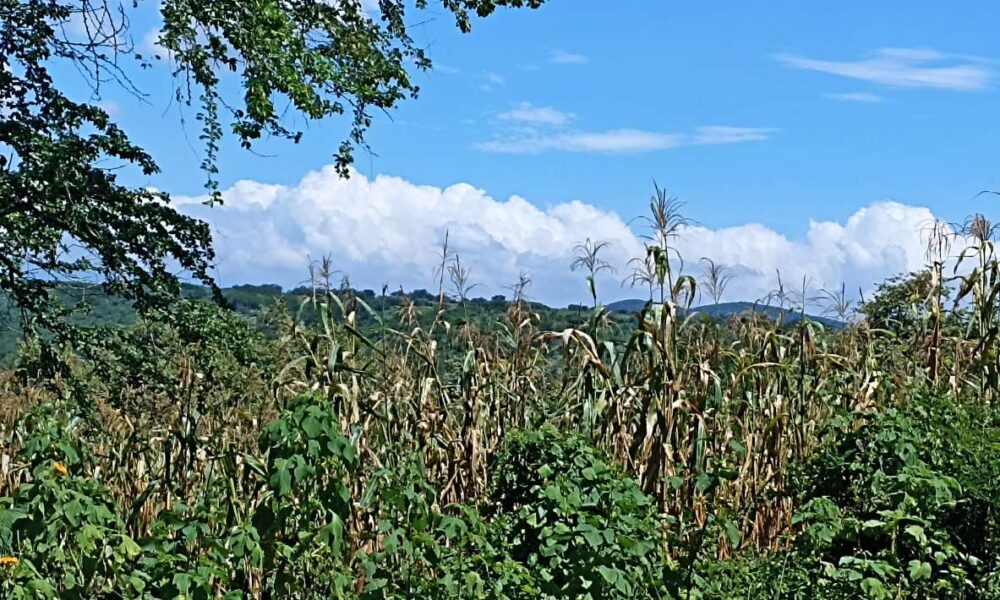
{"x": 389, "y": 231}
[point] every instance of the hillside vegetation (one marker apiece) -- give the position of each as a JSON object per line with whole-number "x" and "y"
{"x": 93, "y": 308}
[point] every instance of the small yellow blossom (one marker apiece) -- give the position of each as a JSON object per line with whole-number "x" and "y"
{"x": 60, "y": 468}
{"x": 8, "y": 561}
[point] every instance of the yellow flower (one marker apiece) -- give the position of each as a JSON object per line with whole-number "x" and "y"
{"x": 60, "y": 468}
{"x": 8, "y": 561}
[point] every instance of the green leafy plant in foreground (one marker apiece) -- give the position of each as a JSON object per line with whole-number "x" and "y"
{"x": 578, "y": 524}
{"x": 63, "y": 527}
{"x": 886, "y": 509}
{"x": 418, "y": 549}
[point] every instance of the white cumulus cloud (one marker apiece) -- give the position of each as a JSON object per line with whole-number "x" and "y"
{"x": 389, "y": 231}
{"x": 875, "y": 242}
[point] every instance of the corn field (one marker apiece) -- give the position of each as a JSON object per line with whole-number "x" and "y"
{"x": 708, "y": 417}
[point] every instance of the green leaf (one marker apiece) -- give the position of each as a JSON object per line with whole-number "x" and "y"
{"x": 312, "y": 426}
{"x": 610, "y": 575}
{"x": 917, "y": 533}
{"x": 129, "y": 548}
{"x": 873, "y": 588}
{"x": 594, "y": 538}
{"x": 182, "y": 581}
{"x": 919, "y": 570}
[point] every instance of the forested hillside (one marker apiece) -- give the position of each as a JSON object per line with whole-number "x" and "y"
{"x": 91, "y": 307}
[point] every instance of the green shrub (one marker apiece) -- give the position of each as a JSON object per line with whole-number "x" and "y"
{"x": 560, "y": 522}
{"x": 303, "y": 520}
{"x": 428, "y": 552}
{"x": 581, "y": 527}
{"x": 62, "y": 527}
{"x": 285, "y": 534}
{"x": 902, "y": 505}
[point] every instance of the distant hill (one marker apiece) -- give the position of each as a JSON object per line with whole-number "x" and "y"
{"x": 727, "y": 310}
{"x": 626, "y": 306}
{"x": 251, "y": 300}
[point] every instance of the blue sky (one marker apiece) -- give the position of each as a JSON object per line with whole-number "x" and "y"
{"x": 775, "y": 115}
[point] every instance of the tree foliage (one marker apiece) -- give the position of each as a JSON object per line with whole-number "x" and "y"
{"x": 64, "y": 213}
{"x": 899, "y": 304}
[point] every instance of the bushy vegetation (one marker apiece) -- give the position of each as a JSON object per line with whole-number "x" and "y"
{"x": 901, "y": 504}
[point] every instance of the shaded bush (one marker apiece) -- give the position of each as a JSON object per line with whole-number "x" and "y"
{"x": 903, "y": 504}
{"x": 419, "y": 550}
{"x": 62, "y": 531}
{"x": 579, "y": 525}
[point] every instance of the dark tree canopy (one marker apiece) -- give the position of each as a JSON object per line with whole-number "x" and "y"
{"x": 64, "y": 214}
{"x": 902, "y": 305}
